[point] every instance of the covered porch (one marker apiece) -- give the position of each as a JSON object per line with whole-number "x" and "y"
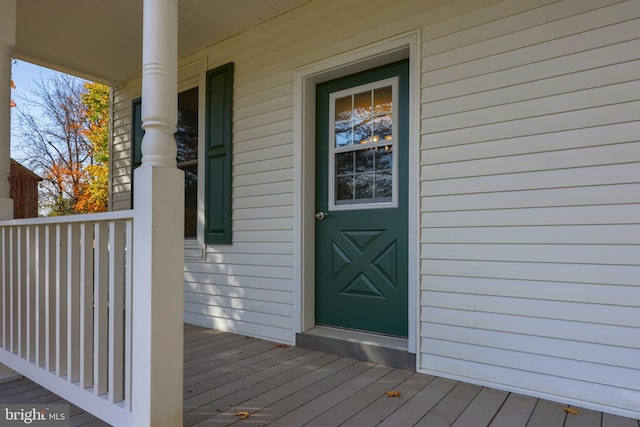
{"x": 522, "y": 262}
{"x": 229, "y": 376}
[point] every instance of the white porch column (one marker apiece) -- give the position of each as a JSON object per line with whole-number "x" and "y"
{"x": 7, "y": 41}
{"x": 158, "y": 275}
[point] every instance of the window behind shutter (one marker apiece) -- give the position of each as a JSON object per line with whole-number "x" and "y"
{"x": 136, "y": 138}
{"x": 217, "y": 226}
{"x": 136, "y": 132}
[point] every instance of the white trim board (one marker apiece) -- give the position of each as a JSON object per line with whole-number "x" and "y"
{"x": 305, "y": 80}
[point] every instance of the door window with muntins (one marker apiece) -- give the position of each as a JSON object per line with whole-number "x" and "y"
{"x": 362, "y": 163}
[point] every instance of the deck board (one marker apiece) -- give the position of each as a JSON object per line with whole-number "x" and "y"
{"x": 215, "y": 373}
{"x": 355, "y": 405}
{"x": 287, "y": 386}
{"x": 385, "y": 406}
{"x": 584, "y": 418}
{"x": 314, "y": 390}
{"x": 547, "y": 414}
{"x": 609, "y": 420}
{"x": 420, "y": 403}
{"x": 315, "y": 409}
{"x": 451, "y": 406}
{"x": 482, "y": 409}
{"x": 262, "y": 407}
{"x": 9, "y": 389}
{"x": 254, "y": 385}
{"x": 516, "y": 411}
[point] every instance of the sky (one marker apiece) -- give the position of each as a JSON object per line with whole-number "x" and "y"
{"x": 24, "y": 74}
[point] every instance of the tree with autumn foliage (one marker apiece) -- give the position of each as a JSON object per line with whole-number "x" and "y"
{"x": 95, "y": 196}
{"x": 63, "y": 134}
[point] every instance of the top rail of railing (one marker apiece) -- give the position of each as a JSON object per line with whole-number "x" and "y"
{"x": 92, "y": 217}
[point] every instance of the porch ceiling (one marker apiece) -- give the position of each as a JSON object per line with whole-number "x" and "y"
{"x": 102, "y": 39}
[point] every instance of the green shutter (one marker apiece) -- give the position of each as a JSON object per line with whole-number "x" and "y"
{"x": 217, "y": 224}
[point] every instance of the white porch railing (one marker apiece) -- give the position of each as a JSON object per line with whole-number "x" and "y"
{"x": 65, "y": 307}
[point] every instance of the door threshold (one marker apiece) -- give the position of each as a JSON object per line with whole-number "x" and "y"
{"x": 359, "y": 336}
{"x": 381, "y": 349}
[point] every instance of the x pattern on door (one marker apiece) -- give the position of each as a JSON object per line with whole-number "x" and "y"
{"x": 362, "y": 260}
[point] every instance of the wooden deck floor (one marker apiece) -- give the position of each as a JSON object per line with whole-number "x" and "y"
{"x": 227, "y": 375}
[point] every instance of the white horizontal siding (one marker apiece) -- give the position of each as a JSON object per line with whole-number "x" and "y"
{"x": 238, "y": 283}
{"x": 577, "y": 254}
{"x": 530, "y": 214}
{"x": 600, "y": 116}
{"x": 595, "y": 195}
{"x": 614, "y": 336}
{"x": 120, "y": 156}
{"x": 542, "y": 106}
{"x": 538, "y": 89}
{"x": 564, "y": 272}
{"x": 199, "y": 315}
{"x": 530, "y": 307}
{"x": 554, "y": 30}
{"x": 618, "y": 234}
{"x": 564, "y": 349}
{"x": 584, "y": 176}
{"x": 577, "y": 215}
{"x": 532, "y": 373}
{"x": 597, "y": 293}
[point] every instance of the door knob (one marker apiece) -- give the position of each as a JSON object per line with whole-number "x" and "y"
{"x": 320, "y": 215}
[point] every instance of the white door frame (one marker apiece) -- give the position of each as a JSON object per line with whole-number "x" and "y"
{"x": 305, "y": 81}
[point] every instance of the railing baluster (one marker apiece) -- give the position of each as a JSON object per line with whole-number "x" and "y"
{"x": 86, "y": 305}
{"x": 100, "y": 325}
{"x": 23, "y": 289}
{"x": 40, "y": 295}
{"x": 73, "y": 301}
{"x": 61, "y": 299}
{"x": 49, "y": 297}
{"x": 18, "y": 289}
{"x": 116, "y": 311}
{"x": 127, "y": 310}
{"x": 12, "y": 307}
{"x": 29, "y": 287}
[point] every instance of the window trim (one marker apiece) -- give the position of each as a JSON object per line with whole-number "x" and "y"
{"x": 190, "y": 76}
{"x": 333, "y": 150}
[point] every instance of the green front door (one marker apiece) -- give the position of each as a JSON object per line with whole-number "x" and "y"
{"x": 361, "y": 201}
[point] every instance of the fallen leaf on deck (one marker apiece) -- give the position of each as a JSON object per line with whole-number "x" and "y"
{"x": 393, "y": 393}
{"x": 243, "y": 415}
{"x": 282, "y": 345}
{"x": 570, "y": 410}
